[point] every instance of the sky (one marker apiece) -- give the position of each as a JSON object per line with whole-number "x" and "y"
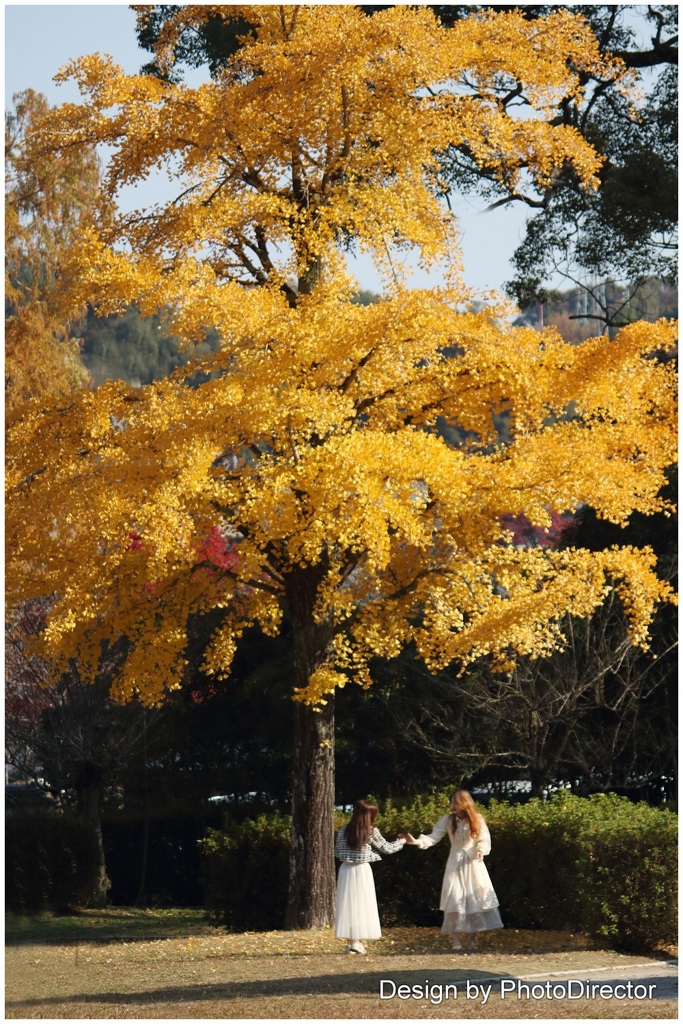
{"x": 41, "y": 38}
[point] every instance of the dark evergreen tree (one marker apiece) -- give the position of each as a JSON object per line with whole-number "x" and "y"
{"x": 135, "y": 348}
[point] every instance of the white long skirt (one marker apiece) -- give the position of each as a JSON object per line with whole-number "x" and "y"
{"x": 468, "y": 899}
{"x": 356, "y": 917}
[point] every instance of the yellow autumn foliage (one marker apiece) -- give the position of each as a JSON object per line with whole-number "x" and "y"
{"x": 301, "y": 472}
{"x": 48, "y": 201}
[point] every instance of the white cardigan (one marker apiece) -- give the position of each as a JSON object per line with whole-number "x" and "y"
{"x": 462, "y": 841}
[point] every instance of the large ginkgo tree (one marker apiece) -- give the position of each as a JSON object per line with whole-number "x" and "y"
{"x": 298, "y": 472}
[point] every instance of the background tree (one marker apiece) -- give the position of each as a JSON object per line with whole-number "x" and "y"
{"x": 625, "y": 231}
{"x": 66, "y": 734}
{"x": 49, "y": 201}
{"x": 132, "y": 347}
{"x": 650, "y": 299}
{"x": 304, "y": 479}
{"x": 26, "y": 678}
{"x": 598, "y": 714}
{"x": 51, "y": 346}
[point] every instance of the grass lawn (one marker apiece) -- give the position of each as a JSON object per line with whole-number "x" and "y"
{"x": 100, "y": 925}
{"x": 123, "y": 963}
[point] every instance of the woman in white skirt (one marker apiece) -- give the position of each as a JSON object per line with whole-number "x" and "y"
{"x": 357, "y": 917}
{"x": 468, "y": 899}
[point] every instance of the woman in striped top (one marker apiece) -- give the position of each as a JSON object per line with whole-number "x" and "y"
{"x": 357, "y": 917}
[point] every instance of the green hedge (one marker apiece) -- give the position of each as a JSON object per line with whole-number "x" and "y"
{"x": 245, "y": 870}
{"x": 604, "y": 866}
{"x": 51, "y": 862}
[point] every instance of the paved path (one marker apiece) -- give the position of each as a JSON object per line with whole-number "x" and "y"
{"x": 653, "y": 979}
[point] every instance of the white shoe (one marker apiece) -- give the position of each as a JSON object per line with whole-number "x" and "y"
{"x": 357, "y": 947}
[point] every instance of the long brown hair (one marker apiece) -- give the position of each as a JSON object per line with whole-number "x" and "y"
{"x": 463, "y": 802}
{"x": 359, "y": 828}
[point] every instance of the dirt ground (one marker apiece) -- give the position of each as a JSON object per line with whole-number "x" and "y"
{"x": 306, "y": 975}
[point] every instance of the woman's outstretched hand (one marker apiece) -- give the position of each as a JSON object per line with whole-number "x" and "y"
{"x": 410, "y": 841}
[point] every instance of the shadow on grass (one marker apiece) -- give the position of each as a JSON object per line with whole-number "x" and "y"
{"x": 366, "y": 984}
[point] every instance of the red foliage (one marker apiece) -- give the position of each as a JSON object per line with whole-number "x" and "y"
{"x": 526, "y": 535}
{"x": 201, "y": 696}
{"x": 27, "y": 706}
{"x": 218, "y": 551}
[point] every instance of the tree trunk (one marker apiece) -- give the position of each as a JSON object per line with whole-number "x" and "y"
{"x": 310, "y": 902}
{"x": 90, "y": 798}
{"x": 539, "y": 780}
{"x": 310, "y": 278}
